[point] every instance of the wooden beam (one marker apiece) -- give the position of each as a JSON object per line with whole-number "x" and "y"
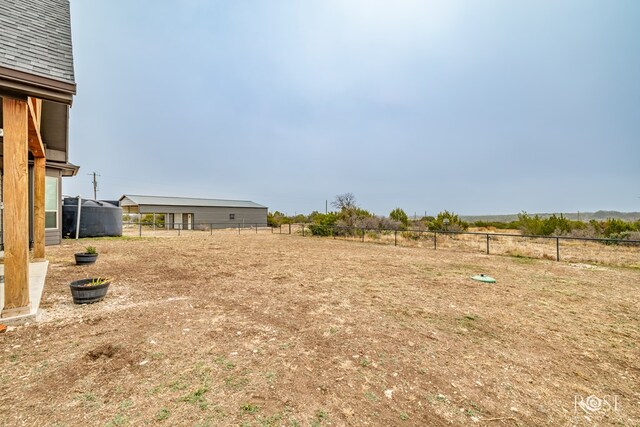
{"x": 37, "y": 109}
{"x": 16, "y": 207}
{"x": 36, "y": 146}
{"x": 39, "y": 169}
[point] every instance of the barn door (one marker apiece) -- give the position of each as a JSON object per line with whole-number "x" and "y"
{"x": 187, "y": 221}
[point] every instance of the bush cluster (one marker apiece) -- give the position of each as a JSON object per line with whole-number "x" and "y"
{"x": 558, "y": 225}
{"x": 349, "y": 219}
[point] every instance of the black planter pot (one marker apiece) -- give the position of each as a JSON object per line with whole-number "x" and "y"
{"x": 84, "y": 258}
{"x": 87, "y": 294}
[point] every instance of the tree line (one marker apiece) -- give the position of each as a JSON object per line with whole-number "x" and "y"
{"x": 348, "y": 215}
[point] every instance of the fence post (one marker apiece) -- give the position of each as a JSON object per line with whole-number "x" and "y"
{"x": 332, "y": 233}
{"x": 280, "y": 228}
{"x": 363, "y": 234}
{"x": 238, "y": 228}
{"x": 139, "y": 227}
{"x": 289, "y": 228}
{"x": 435, "y": 240}
{"x": 487, "y": 244}
{"x": 271, "y": 230}
{"x": 256, "y": 228}
{"x": 557, "y": 249}
{"x": 395, "y": 237}
{"x": 210, "y": 229}
{"x": 179, "y": 228}
{"x": 302, "y": 230}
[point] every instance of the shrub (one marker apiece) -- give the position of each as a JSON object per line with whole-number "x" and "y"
{"x": 616, "y": 227}
{"x": 148, "y": 219}
{"x": 275, "y": 219}
{"x": 400, "y": 216}
{"x": 455, "y": 223}
{"x": 411, "y": 235}
{"x": 323, "y": 224}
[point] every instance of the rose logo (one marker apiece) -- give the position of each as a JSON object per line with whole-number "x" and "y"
{"x": 592, "y": 403}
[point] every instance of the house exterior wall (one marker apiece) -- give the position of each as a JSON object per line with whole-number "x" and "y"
{"x": 53, "y": 236}
{"x": 217, "y": 216}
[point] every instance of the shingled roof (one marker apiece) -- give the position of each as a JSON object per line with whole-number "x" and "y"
{"x": 35, "y": 38}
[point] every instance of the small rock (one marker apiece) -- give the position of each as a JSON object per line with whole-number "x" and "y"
{"x": 144, "y": 362}
{"x": 514, "y": 409}
{"x": 389, "y": 393}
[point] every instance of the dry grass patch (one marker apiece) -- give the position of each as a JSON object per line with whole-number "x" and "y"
{"x": 276, "y": 330}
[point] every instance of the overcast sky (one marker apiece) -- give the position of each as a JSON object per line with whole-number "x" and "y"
{"x": 478, "y": 107}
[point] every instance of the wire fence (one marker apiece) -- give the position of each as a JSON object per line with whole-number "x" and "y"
{"x": 180, "y": 228}
{"x": 575, "y": 249}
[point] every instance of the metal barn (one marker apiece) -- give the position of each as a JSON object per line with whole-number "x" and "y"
{"x": 192, "y": 213}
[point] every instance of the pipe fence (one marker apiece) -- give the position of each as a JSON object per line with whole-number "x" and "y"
{"x": 487, "y": 242}
{"x": 178, "y": 228}
{"x": 627, "y": 252}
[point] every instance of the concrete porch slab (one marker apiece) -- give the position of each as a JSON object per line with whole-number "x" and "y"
{"x": 37, "y": 275}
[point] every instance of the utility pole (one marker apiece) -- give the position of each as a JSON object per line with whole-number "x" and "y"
{"x": 95, "y": 184}
{"x": 326, "y": 206}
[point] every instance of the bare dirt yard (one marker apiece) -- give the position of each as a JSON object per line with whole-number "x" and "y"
{"x": 279, "y": 330}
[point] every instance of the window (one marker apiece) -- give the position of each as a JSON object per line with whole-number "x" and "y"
{"x": 51, "y": 202}
{"x": 232, "y": 216}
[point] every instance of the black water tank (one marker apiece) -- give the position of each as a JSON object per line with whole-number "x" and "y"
{"x": 97, "y": 219}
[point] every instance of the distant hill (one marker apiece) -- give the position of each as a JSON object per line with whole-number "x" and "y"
{"x": 582, "y": 216}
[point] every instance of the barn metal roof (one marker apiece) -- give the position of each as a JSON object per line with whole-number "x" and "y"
{"x": 130, "y": 200}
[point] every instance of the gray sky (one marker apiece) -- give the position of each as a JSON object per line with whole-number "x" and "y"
{"x": 478, "y": 107}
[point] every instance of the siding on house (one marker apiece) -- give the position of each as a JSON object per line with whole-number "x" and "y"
{"x": 53, "y": 236}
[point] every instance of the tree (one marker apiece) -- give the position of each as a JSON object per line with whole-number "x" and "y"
{"x": 453, "y": 223}
{"x": 346, "y": 201}
{"x": 399, "y": 215}
{"x": 275, "y": 219}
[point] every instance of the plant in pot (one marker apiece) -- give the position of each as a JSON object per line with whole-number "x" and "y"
{"x": 87, "y": 291}
{"x": 89, "y": 256}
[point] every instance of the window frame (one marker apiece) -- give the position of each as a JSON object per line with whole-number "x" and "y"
{"x": 57, "y": 197}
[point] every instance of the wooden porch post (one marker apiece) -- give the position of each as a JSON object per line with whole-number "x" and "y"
{"x": 38, "y": 207}
{"x": 39, "y": 172}
{"x": 16, "y": 207}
